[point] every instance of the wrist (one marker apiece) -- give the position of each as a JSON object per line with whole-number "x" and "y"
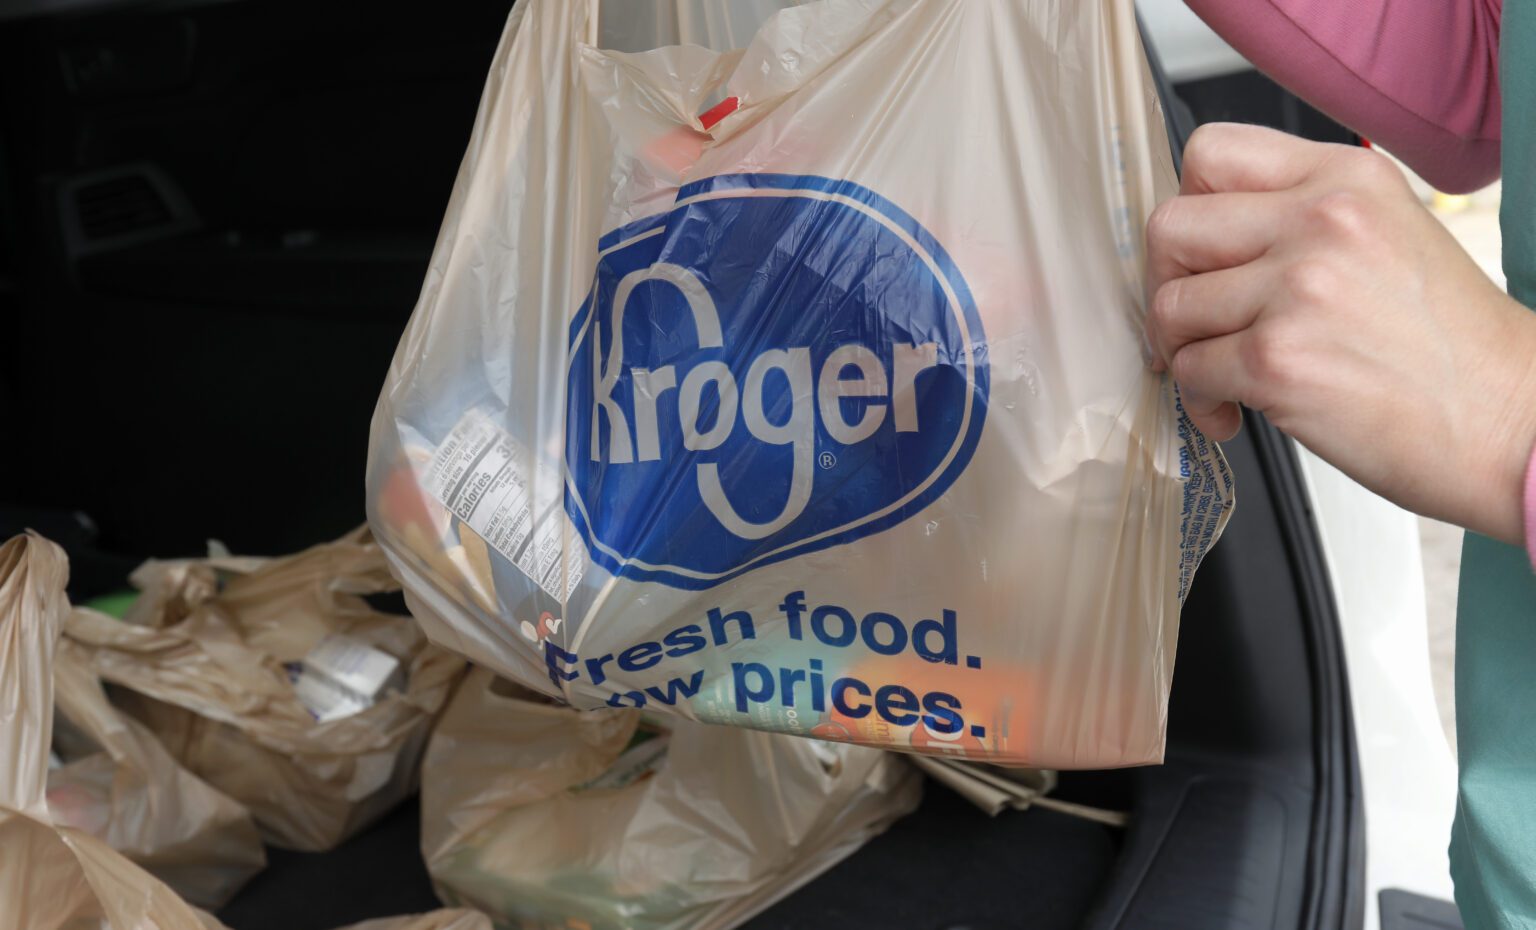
{"x": 1504, "y": 495}
{"x": 1529, "y": 510}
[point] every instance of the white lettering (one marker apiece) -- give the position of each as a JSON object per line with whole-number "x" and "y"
{"x": 809, "y": 394}
{"x": 619, "y": 451}
{"x": 833, "y": 388}
{"x": 649, "y": 386}
{"x": 705, "y": 319}
{"x": 798, "y": 430}
{"x": 690, "y": 397}
{"x": 909, "y": 361}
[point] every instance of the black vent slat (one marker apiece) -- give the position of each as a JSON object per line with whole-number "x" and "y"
{"x": 120, "y": 206}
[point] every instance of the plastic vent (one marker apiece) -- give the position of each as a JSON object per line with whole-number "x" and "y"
{"x": 119, "y": 206}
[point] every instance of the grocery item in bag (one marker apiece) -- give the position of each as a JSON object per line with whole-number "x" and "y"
{"x": 218, "y": 687}
{"x": 130, "y": 792}
{"x": 547, "y": 817}
{"x": 54, "y": 876}
{"x": 823, "y": 412}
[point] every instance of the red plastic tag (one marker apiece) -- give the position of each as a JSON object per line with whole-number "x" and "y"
{"x": 719, "y": 112}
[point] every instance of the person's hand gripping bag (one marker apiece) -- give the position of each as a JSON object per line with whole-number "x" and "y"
{"x": 824, "y": 411}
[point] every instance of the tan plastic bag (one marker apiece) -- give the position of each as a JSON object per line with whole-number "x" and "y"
{"x": 801, "y": 385}
{"x": 133, "y": 794}
{"x": 170, "y": 589}
{"x": 54, "y": 877}
{"x": 547, "y": 817}
{"x": 213, "y": 687}
{"x": 446, "y": 919}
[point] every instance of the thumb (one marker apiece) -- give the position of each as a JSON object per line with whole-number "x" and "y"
{"x": 1217, "y": 419}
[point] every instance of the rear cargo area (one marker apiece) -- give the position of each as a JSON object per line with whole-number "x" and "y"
{"x": 213, "y": 227}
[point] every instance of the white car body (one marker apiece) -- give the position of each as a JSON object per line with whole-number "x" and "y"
{"x": 1188, "y": 48}
{"x": 1407, "y": 773}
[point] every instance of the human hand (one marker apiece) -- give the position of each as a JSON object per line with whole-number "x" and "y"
{"x": 1306, "y": 281}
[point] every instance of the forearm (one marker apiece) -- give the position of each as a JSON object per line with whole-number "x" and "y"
{"x": 1488, "y": 485}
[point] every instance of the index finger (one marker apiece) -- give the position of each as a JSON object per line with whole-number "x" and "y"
{"x": 1192, "y": 234}
{"x": 1228, "y": 157}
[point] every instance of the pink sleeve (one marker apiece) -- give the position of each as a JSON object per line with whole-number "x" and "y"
{"x": 1530, "y": 509}
{"x": 1418, "y": 77}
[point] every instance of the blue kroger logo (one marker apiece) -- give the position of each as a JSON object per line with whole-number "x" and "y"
{"x": 777, "y": 365}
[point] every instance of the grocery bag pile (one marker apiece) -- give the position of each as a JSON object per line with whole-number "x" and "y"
{"x": 69, "y": 845}
{"x": 279, "y": 684}
{"x": 211, "y": 739}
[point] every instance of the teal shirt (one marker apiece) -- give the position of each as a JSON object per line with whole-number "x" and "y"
{"x": 1493, "y": 843}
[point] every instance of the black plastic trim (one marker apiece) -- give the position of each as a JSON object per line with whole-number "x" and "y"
{"x": 1336, "y": 880}
{"x": 1404, "y": 910}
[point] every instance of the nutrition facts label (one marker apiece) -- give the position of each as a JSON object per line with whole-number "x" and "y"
{"x": 482, "y": 475}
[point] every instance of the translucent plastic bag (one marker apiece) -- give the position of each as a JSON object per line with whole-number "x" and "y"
{"x": 132, "y": 794}
{"x": 543, "y": 816}
{"x": 446, "y": 919}
{"x": 801, "y": 386}
{"x": 54, "y": 877}
{"x": 215, "y": 687}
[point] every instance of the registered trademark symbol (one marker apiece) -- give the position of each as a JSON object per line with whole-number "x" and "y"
{"x": 827, "y": 460}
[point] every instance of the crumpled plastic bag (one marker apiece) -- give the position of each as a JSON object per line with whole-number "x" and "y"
{"x": 213, "y": 686}
{"x": 801, "y": 385}
{"x": 445, "y": 919}
{"x": 55, "y": 877}
{"x": 448, "y": 918}
{"x": 52, "y": 875}
{"x": 547, "y": 817}
{"x": 169, "y": 589}
{"x": 134, "y": 795}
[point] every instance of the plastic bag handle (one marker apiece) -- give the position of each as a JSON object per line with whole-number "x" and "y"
{"x": 590, "y": 24}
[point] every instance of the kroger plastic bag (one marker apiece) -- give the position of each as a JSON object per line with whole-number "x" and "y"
{"x": 130, "y": 792}
{"x": 54, "y": 877}
{"x": 216, "y": 687}
{"x": 543, "y": 816}
{"x": 824, "y": 412}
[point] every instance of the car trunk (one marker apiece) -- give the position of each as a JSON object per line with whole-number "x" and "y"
{"x": 214, "y": 222}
